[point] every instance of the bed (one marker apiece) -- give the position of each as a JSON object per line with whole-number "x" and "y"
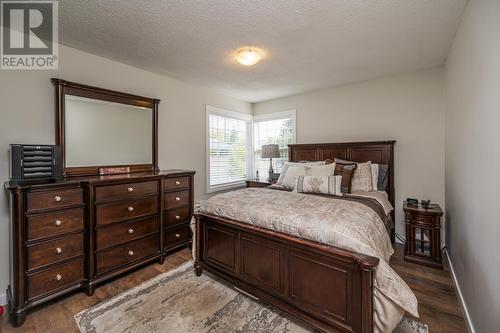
{"x": 331, "y": 288}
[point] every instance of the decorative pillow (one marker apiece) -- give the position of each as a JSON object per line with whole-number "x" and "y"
{"x": 375, "y": 176}
{"x": 319, "y": 184}
{"x": 291, "y": 175}
{"x": 362, "y": 179}
{"x": 383, "y": 177}
{"x": 380, "y": 179}
{"x": 288, "y": 164}
{"x": 346, "y": 171}
{"x": 320, "y": 170}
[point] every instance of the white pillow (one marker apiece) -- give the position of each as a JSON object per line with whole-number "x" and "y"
{"x": 288, "y": 164}
{"x": 320, "y": 170}
{"x": 362, "y": 178}
{"x": 291, "y": 175}
{"x": 374, "y": 176}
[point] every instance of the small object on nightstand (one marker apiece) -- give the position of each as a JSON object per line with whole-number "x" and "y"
{"x": 423, "y": 234}
{"x": 413, "y": 202}
{"x": 425, "y": 203}
{"x": 257, "y": 183}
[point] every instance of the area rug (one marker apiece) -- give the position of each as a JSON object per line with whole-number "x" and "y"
{"x": 179, "y": 301}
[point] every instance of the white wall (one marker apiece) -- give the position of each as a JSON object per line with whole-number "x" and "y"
{"x": 27, "y": 116}
{"x": 408, "y": 108}
{"x": 473, "y": 161}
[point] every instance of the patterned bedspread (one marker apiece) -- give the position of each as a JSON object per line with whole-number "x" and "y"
{"x": 346, "y": 224}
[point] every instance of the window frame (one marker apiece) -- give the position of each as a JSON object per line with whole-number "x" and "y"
{"x": 248, "y": 118}
{"x": 292, "y": 114}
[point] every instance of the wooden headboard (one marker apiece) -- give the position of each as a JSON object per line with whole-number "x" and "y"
{"x": 381, "y": 152}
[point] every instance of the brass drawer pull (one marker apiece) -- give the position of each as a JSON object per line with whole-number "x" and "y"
{"x": 177, "y": 235}
{"x": 130, "y": 231}
{"x": 58, "y": 277}
{"x": 130, "y": 189}
{"x": 58, "y": 250}
{"x": 177, "y": 199}
{"x": 57, "y": 223}
{"x": 130, "y": 209}
{"x": 177, "y": 182}
{"x": 130, "y": 253}
{"x": 177, "y": 217}
{"x": 57, "y": 198}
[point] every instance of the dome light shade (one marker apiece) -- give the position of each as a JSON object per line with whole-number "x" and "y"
{"x": 248, "y": 56}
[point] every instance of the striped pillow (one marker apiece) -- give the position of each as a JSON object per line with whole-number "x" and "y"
{"x": 330, "y": 185}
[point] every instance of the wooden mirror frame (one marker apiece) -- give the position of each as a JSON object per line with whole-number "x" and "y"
{"x": 63, "y": 88}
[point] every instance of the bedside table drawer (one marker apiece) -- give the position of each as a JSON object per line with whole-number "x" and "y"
{"x": 422, "y": 219}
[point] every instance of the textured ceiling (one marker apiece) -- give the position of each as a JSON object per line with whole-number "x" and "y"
{"x": 309, "y": 44}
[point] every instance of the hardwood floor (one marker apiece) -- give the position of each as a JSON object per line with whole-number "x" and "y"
{"x": 438, "y": 304}
{"x": 437, "y": 299}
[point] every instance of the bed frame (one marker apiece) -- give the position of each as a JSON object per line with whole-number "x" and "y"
{"x": 329, "y": 288}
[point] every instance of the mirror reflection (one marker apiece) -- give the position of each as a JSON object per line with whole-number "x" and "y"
{"x": 106, "y": 133}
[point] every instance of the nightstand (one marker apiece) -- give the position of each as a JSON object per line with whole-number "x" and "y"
{"x": 423, "y": 235}
{"x": 257, "y": 183}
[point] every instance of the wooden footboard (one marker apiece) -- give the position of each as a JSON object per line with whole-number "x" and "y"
{"x": 329, "y": 288}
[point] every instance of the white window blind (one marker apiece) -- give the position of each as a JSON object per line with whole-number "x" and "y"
{"x": 229, "y": 142}
{"x": 278, "y": 128}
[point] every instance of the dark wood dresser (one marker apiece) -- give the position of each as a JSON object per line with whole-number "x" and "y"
{"x": 423, "y": 235}
{"x": 81, "y": 231}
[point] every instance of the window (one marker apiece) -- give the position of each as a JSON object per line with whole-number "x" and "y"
{"x": 229, "y": 140}
{"x": 274, "y": 128}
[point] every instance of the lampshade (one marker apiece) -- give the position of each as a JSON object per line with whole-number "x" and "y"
{"x": 270, "y": 151}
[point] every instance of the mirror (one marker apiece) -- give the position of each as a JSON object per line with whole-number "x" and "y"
{"x": 100, "y": 128}
{"x": 106, "y": 133}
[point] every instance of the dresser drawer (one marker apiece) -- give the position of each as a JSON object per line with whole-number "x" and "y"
{"x": 176, "y": 216}
{"x": 176, "y": 236}
{"x": 54, "y": 251}
{"x": 56, "y": 278}
{"x": 422, "y": 219}
{"x": 125, "y": 210}
{"x": 54, "y": 199}
{"x": 176, "y": 199}
{"x": 177, "y": 183}
{"x": 121, "y": 255}
{"x": 123, "y": 232}
{"x": 123, "y": 191}
{"x": 55, "y": 223}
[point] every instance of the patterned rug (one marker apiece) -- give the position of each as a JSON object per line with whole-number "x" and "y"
{"x": 179, "y": 301}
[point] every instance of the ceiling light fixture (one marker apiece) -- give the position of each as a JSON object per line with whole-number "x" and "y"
{"x": 248, "y": 56}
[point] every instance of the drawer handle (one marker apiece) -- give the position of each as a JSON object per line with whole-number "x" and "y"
{"x": 130, "y": 209}
{"x": 58, "y": 277}
{"x": 58, "y": 250}
{"x": 177, "y": 235}
{"x": 57, "y": 223}
{"x": 130, "y": 189}
{"x": 177, "y": 199}
{"x": 130, "y": 253}
{"x": 57, "y": 198}
{"x": 177, "y": 217}
{"x": 130, "y": 231}
{"x": 177, "y": 182}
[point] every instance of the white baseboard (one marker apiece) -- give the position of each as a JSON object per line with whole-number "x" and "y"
{"x": 468, "y": 320}
{"x": 3, "y": 299}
